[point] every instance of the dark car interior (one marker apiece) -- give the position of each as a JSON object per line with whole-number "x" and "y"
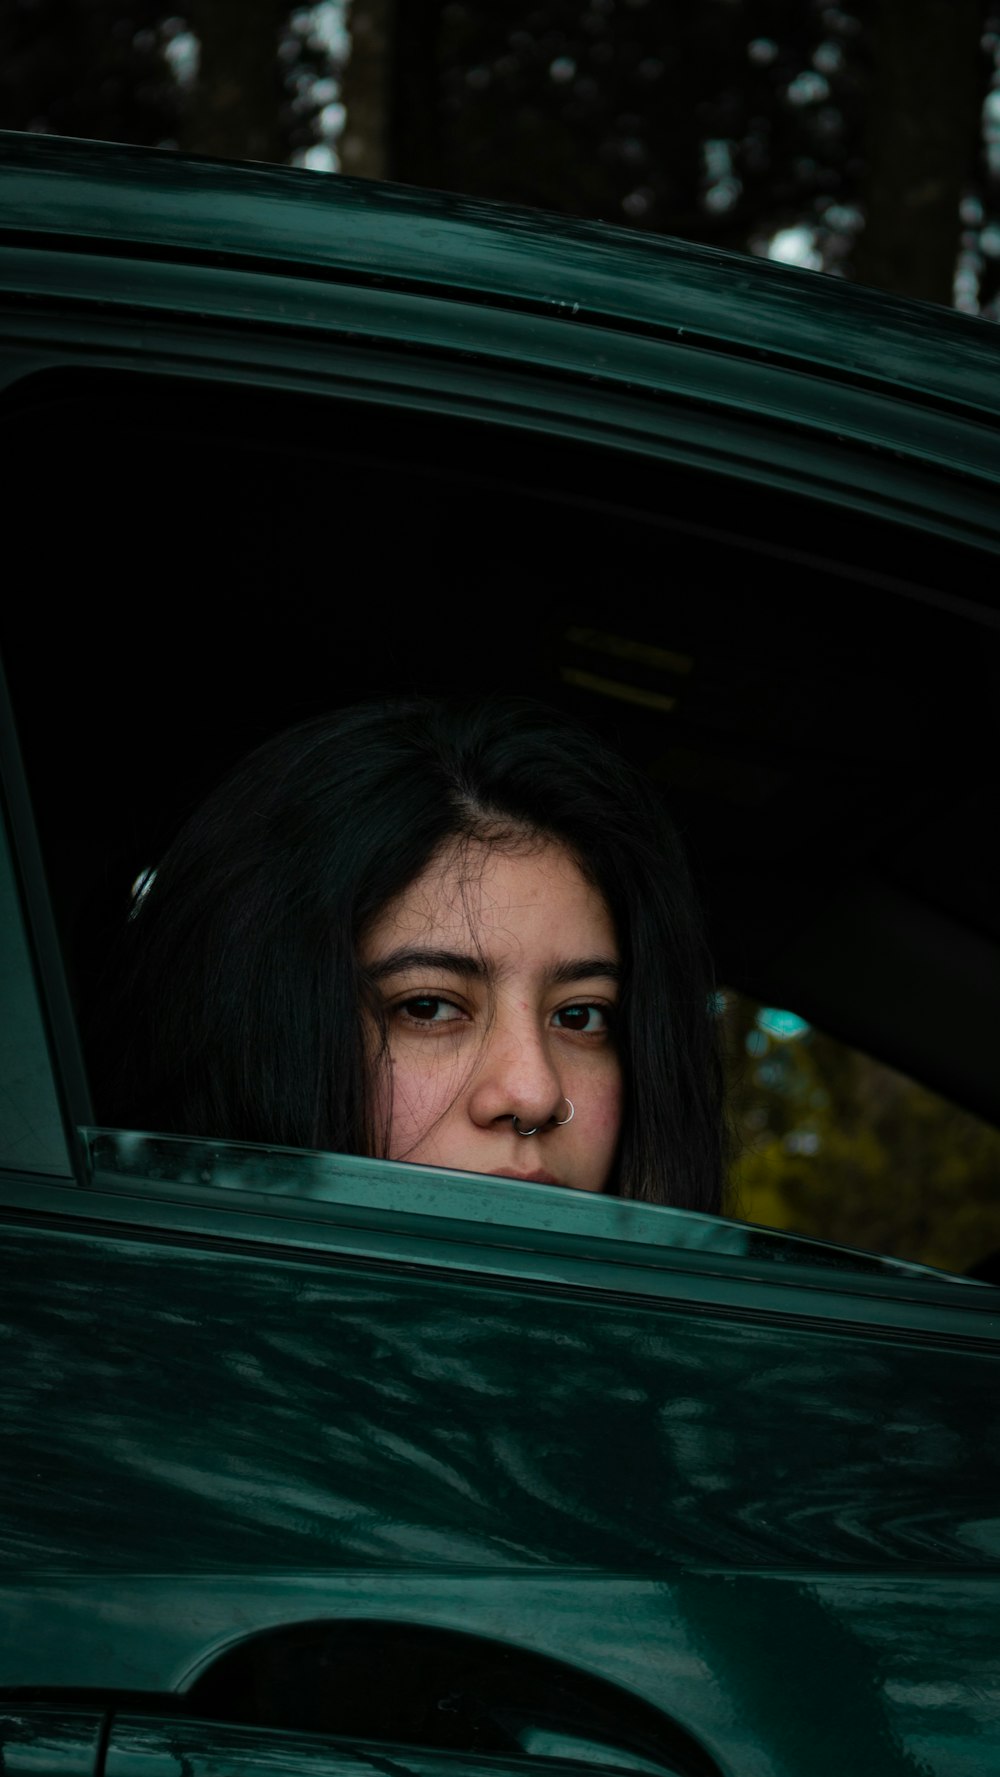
{"x": 814, "y": 689}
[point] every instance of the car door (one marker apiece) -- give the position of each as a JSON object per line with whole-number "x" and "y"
{"x": 339, "y": 1450}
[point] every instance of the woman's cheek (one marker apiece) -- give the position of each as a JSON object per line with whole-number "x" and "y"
{"x": 607, "y": 1105}
{"x": 423, "y": 1091}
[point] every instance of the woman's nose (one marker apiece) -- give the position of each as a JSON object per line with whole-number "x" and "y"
{"x": 516, "y": 1077}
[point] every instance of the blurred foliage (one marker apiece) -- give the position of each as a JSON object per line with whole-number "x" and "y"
{"x": 768, "y": 125}
{"x": 709, "y": 120}
{"x": 833, "y": 1144}
{"x": 250, "y": 79}
{"x": 89, "y": 68}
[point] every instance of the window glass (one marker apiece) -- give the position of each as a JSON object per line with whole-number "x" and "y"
{"x": 31, "y": 1135}
{"x": 831, "y": 1143}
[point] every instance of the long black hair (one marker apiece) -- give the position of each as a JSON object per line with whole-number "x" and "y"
{"x": 240, "y": 1007}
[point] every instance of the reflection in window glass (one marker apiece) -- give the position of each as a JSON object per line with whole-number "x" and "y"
{"x": 833, "y": 1144}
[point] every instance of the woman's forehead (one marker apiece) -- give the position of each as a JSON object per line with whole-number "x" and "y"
{"x": 497, "y": 898}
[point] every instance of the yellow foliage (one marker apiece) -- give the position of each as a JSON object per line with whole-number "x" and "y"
{"x": 832, "y": 1144}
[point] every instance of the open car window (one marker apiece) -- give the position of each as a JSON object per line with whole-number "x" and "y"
{"x": 266, "y": 543}
{"x": 279, "y": 553}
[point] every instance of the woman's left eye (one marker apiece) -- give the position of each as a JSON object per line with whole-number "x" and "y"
{"x": 592, "y": 1020}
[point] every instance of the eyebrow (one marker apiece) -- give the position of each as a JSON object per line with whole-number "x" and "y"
{"x": 584, "y": 968}
{"x": 458, "y": 962}
{"x": 454, "y": 962}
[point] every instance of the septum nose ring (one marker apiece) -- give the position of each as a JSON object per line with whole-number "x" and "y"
{"x": 560, "y": 1122}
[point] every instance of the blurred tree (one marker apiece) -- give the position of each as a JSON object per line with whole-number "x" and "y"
{"x": 922, "y": 141}
{"x": 87, "y": 68}
{"x": 235, "y": 103}
{"x": 415, "y": 120}
{"x": 376, "y": 55}
{"x": 832, "y": 1144}
{"x": 236, "y": 78}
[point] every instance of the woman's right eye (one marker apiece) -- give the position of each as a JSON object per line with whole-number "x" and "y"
{"x": 427, "y": 1008}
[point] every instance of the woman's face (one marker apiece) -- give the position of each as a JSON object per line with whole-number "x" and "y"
{"x": 498, "y": 972}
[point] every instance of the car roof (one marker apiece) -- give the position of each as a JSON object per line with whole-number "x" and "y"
{"x": 831, "y": 366}
{"x": 586, "y": 271}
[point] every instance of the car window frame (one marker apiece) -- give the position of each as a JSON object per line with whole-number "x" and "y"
{"x": 44, "y": 975}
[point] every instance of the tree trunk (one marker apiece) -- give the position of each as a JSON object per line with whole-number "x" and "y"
{"x": 235, "y": 108}
{"x": 415, "y": 149}
{"x": 364, "y": 147}
{"x": 923, "y": 119}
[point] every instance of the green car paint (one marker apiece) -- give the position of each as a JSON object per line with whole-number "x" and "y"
{"x": 735, "y": 1487}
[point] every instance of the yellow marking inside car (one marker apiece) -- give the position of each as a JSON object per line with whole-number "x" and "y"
{"x": 650, "y": 700}
{"x": 600, "y": 641}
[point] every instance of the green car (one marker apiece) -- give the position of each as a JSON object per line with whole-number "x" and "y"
{"x": 320, "y": 1465}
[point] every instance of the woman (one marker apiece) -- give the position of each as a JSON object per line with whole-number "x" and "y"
{"x": 461, "y": 936}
